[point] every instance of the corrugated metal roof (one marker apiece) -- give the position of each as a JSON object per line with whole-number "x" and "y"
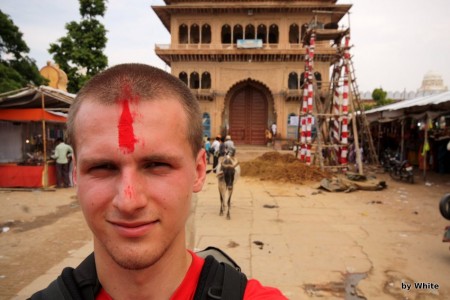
{"x": 420, "y": 101}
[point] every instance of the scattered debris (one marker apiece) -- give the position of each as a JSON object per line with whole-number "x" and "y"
{"x": 351, "y": 281}
{"x": 350, "y": 183}
{"x": 345, "y": 290}
{"x": 232, "y": 244}
{"x": 317, "y": 290}
{"x": 375, "y": 202}
{"x": 270, "y": 206}
{"x": 259, "y": 244}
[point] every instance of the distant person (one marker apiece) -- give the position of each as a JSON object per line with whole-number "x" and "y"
{"x": 229, "y": 146}
{"x": 222, "y": 149}
{"x": 137, "y": 165}
{"x": 208, "y": 149}
{"x": 63, "y": 156}
{"x": 274, "y": 130}
{"x": 216, "y": 147}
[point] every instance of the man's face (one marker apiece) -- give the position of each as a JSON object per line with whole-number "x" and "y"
{"x": 135, "y": 177}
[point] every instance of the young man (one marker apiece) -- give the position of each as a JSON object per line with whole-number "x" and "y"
{"x": 62, "y": 154}
{"x": 137, "y": 137}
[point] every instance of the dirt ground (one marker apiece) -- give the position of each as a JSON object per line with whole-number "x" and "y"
{"x": 39, "y": 228}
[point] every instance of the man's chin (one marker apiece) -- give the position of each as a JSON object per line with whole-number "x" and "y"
{"x": 133, "y": 259}
{"x": 133, "y": 264}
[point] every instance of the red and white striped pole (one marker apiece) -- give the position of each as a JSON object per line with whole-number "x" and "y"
{"x": 303, "y": 123}
{"x": 310, "y": 78}
{"x": 335, "y": 131}
{"x": 345, "y": 97}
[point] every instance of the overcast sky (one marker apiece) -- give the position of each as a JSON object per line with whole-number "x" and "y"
{"x": 396, "y": 42}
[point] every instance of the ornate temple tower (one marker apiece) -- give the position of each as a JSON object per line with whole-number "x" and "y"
{"x": 244, "y": 60}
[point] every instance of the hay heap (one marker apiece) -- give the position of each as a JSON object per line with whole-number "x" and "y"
{"x": 281, "y": 167}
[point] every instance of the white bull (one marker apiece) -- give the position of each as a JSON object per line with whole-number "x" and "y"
{"x": 227, "y": 175}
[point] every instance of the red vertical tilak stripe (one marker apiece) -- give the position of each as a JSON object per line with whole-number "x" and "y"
{"x": 126, "y": 133}
{"x": 125, "y": 126}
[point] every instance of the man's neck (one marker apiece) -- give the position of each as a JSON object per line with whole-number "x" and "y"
{"x": 158, "y": 281}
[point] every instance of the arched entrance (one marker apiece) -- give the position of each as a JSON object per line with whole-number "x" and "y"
{"x": 248, "y": 115}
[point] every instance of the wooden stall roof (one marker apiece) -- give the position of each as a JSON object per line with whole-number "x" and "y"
{"x": 31, "y": 97}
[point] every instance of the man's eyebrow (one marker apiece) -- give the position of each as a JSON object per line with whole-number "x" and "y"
{"x": 97, "y": 161}
{"x": 146, "y": 158}
{"x": 158, "y": 157}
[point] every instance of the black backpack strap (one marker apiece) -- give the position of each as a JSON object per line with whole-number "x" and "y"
{"x": 220, "y": 281}
{"x": 219, "y": 255}
{"x": 73, "y": 284}
{"x": 234, "y": 283}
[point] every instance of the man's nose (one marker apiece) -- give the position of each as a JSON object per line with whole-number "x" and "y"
{"x": 130, "y": 196}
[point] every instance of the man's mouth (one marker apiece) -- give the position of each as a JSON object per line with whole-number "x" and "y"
{"x": 133, "y": 229}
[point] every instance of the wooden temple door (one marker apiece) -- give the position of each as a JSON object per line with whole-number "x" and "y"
{"x": 248, "y": 116}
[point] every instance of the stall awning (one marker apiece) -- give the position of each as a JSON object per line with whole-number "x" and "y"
{"x": 30, "y": 114}
{"x": 36, "y": 97}
{"x": 433, "y": 105}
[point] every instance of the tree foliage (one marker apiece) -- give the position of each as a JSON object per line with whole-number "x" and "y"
{"x": 17, "y": 70}
{"x": 380, "y": 97}
{"x": 80, "y": 52}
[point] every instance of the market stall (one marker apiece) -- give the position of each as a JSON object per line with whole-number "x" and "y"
{"x": 31, "y": 120}
{"x": 418, "y": 129}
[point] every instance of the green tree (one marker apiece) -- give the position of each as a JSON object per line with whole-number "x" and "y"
{"x": 80, "y": 52}
{"x": 17, "y": 70}
{"x": 379, "y": 95}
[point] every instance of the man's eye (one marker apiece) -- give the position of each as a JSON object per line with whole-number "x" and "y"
{"x": 156, "y": 164}
{"x": 103, "y": 167}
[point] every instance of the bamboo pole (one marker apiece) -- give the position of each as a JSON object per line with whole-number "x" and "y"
{"x": 424, "y": 150}
{"x": 402, "y": 141}
{"x": 379, "y": 139}
{"x": 44, "y": 140}
{"x": 356, "y": 139}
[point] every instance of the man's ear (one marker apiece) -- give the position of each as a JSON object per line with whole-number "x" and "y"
{"x": 200, "y": 171}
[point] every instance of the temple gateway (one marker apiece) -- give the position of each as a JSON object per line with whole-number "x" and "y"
{"x": 244, "y": 60}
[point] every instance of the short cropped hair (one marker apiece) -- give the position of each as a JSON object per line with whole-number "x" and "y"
{"x": 146, "y": 82}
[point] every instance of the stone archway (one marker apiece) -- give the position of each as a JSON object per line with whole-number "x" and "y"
{"x": 248, "y": 114}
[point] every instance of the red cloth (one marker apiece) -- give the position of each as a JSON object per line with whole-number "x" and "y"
{"x": 186, "y": 290}
{"x": 25, "y": 176}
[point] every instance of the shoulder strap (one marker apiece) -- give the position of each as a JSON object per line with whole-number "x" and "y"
{"x": 219, "y": 255}
{"x": 73, "y": 284}
{"x": 220, "y": 280}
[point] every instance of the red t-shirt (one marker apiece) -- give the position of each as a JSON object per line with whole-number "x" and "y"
{"x": 186, "y": 290}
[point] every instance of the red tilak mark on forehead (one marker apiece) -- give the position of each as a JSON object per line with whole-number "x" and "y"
{"x": 126, "y": 132}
